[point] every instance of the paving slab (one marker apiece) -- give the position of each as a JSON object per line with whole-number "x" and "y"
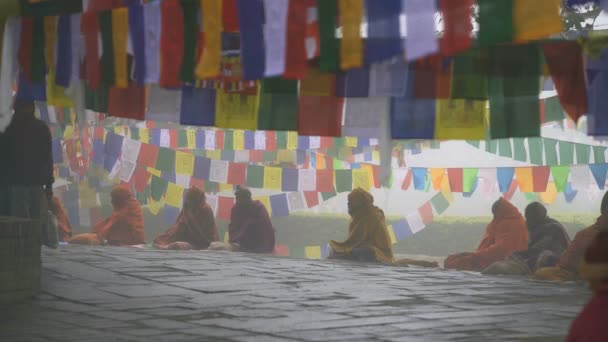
{"x": 127, "y": 294}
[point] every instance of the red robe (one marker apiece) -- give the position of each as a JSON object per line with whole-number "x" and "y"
{"x": 63, "y": 223}
{"x": 126, "y": 224}
{"x": 590, "y": 325}
{"x": 507, "y": 233}
{"x": 251, "y": 228}
{"x": 193, "y": 225}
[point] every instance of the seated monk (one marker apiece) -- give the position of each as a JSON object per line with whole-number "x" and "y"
{"x": 64, "y": 229}
{"x": 124, "y": 227}
{"x": 590, "y": 325}
{"x": 567, "y": 267}
{"x": 548, "y": 240}
{"x": 368, "y": 239}
{"x": 250, "y": 228}
{"x": 194, "y": 228}
{"x": 506, "y": 234}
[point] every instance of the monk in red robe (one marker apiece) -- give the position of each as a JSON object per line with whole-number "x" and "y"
{"x": 507, "y": 233}
{"x": 124, "y": 227}
{"x": 567, "y": 267}
{"x": 250, "y": 228}
{"x": 590, "y": 325}
{"x": 194, "y": 228}
{"x": 64, "y": 229}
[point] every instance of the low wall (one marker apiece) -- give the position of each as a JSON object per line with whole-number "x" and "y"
{"x": 19, "y": 259}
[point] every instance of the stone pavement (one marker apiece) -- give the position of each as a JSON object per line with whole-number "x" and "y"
{"x": 125, "y": 294}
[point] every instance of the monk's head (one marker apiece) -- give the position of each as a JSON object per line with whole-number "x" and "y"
{"x": 120, "y": 197}
{"x": 604, "y": 206}
{"x": 535, "y": 213}
{"x": 243, "y": 196}
{"x": 495, "y": 206}
{"x": 195, "y": 198}
{"x": 594, "y": 268}
{"x": 358, "y": 200}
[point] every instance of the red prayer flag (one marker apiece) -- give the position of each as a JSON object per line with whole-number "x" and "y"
{"x": 271, "y": 141}
{"x": 281, "y": 250}
{"x": 237, "y": 173}
{"x": 540, "y": 178}
{"x": 407, "y": 181}
{"x": 90, "y": 31}
{"x": 173, "y": 140}
{"x": 312, "y": 198}
{"x": 103, "y": 5}
{"x": 426, "y": 212}
{"x": 327, "y": 142}
{"x": 142, "y": 177}
{"x": 224, "y": 207}
{"x": 455, "y": 178}
{"x": 230, "y": 16}
{"x": 219, "y": 140}
{"x": 325, "y": 180}
{"x": 148, "y": 154}
{"x": 565, "y": 61}
{"x": 171, "y": 43}
{"x": 457, "y": 26}
{"x": 313, "y": 37}
{"x": 127, "y": 102}
{"x": 296, "y": 58}
{"x": 320, "y": 116}
{"x": 376, "y": 175}
{"x": 24, "y": 54}
{"x": 256, "y": 156}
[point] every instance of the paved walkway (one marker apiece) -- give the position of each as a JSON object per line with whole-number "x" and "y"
{"x": 123, "y": 294}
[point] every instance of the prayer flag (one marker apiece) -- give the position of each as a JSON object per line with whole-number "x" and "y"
{"x": 275, "y": 36}
{"x": 278, "y": 105}
{"x": 174, "y": 195}
{"x": 120, "y": 31}
{"x": 495, "y": 21}
{"x": 426, "y": 213}
{"x": 469, "y": 180}
{"x": 583, "y": 153}
{"x": 460, "y": 119}
{"x": 210, "y": 59}
{"x": 440, "y": 203}
{"x": 295, "y": 56}
{"x": 255, "y": 176}
{"x": 198, "y": 106}
{"x": 566, "y": 153}
{"x": 289, "y": 180}
{"x": 457, "y": 25}
{"x": 540, "y": 178}
{"x": 599, "y": 174}
{"x": 325, "y": 180}
{"x": 504, "y": 176}
{"x": 383, "y": 39}
{"x": 421, "y": 39}
{"x": 171, "y": 43}
{"x": 560, "y": 177}
{"x": 190, "y": 12}
{"x": 419, "y": 175}
{"x": 234, "y": 110}
{"x": 344, "y": 180}
{"x": 251, "y": 22}
{"x": 351, "y": 44}
{"x": 328, "y": 12}
{"x": 534, "y": 20}
{"x": 279, "y": 205}
{"x": 272, "y": 178}
{"x": 524, "y": 179}
{"x": 184, "y": 163}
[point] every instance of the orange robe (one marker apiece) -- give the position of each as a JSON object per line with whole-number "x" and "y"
{"x": 63, "y": 223}
{"x": 194, "y": 225}
{"x": 507, "y": 233}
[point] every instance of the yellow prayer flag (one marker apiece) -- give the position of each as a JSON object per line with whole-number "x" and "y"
{"x": 351, "y": 44}
{"x": 286, "y": 156}
{"x": 144, "y": 135}
{"x": 351, "y": 141}
{"x": 321, "y": 164}
{"x": 154, "y": 206}
{"x": 549, "y": 196}
{"x": 376, "y": 156}
{"x": 226, "y": 237}
{"x": 266, "y": 202}
{"x": 154, "y": 171}
{"x": 317, "y": 83}
{"x": 214, "y": 154}
{"x": 120, "y": 30}
{"x": 174, "y": 195}
{"x": 226, "y": 187}
{"x": 50, "y": 41}
{"x": 55, "y": 95}
{"x": 391, "y": 234}
{"x": 292, "y": 140}
{"x": 446, "y": 190}
{"x": 233, "y": 110}
{"x": 313, "y": 252}
{"x": 524, "y": 179}
{"x": 184, "y": 163}
{"x": 118, "y": 130}
{"x": 69, "y": 132}
{"x": 272, "y": 178}
{"x": 370, "y": 173}
{"x": 437, "y": 175}
{"x": 460, "y": 119}
{"x": 209, "y": 63}
{"x": 536, "y": 19}
{"x": 361, "y": 179}
{"x": 238, "y": 140}
{"x": 191, "y": 138}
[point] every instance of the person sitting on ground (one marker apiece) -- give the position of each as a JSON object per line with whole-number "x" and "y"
{"x": 506, "y": 234}
{"x": 124, "y": 227}
{"x": 194, "y": 228}
{"x": 64, "y": 229}
{"x": 548, "y": 240}
{"x": 368, "y": 238}
{"x": 250, "y": 228}
{"x": 590, "y": 325}
{"x": 567, "y": 267}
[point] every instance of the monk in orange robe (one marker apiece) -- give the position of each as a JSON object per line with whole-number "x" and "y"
{"x": 194, "y": 228}
{"x": 64, "y": 229}
{"x": 507, "y": 233}
{"x": 368, "y": 237}
{"x": 124, "y": 227}
{"x": 567, "y": 267}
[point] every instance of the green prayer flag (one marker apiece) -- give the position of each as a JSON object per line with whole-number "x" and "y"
{"x": 344, "y": 180}
{"x": 212, "y": 187}
{"x": 142, "y": 196}
{"x": 44, "y": 8}
{"x": 566, "y": 153}
{"x": 339, "y": 142}
{"x": 158, "y": 187}
{"x": 166, "y": 160}
{"x": 491, "y": 146}
{"x": 550, "y": 152}
{"x": 135, "y": 133}
{"x": 337, "y": 164}
{"x": 97, "y": 99}
{"x": 474, "y": 143}
{"x": 440, "y": 203}
{"x": 553, "y": 110}
{"x": 270, "y": 156}
{"x": 182, "y": 138}
{"x": 530, "y": 196}
{"x": 560, "y": 177}
{"x": 328, "y": 195}
{"x": 278, "y": 112}
{"x": 255, "y": 176}
{"x": 470, "y": 75}
{"x": 281, "y": 140}
{"x": 495, "y": 22}
{"x": 107, "y": 43}
{"x": 599, "y": 154}
{"x": 191, "y": 11}
{"x": 427, "y": 183}
{"x": 504, "y": 148}
{"x": 328, "y": 12}
{"x": 519, "y": 150}
{"x": 583, "y": 153}
{"x": 228, "y": 140}
{"x": 535, "y": 147}
{"x": 37, "y": 62}
{"x": 469, "y": 176}
{"x": 297, "y": 252}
